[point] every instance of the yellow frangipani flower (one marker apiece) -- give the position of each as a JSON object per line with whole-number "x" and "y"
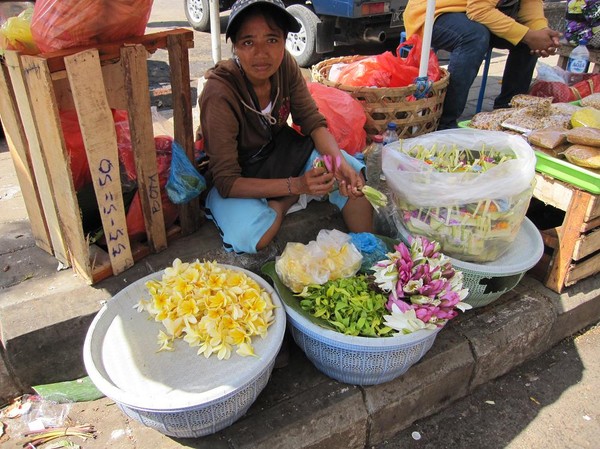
{"x": 209, "y": 307}
{"x": 165, "y": 342}
{"x": 245, "y": 350}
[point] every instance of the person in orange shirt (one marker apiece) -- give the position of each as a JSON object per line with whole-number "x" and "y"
{"x": 468, "y": 28}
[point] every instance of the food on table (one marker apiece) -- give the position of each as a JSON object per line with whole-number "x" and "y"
{"x": 563, "y": 109}
{"x": 592, "y": 100}
{"x": 524, "y": 100}
{"x": 587, "y": 116}
{"x": 548, "y": 137}
{"x": 584, "y": 135}
{"x": 491, "y": 121}
{"x": 584, "y": 156}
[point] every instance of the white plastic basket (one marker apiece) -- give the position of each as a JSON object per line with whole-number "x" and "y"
{"x": 488, "y": 281}
{"x": 359, "y": 360}
{"x": 179, "y": 393}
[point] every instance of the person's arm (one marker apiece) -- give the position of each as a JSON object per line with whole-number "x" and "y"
{"x": 531, "y": 17}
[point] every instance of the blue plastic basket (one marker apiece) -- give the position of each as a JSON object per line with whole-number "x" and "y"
{"x": 359, "y": 360}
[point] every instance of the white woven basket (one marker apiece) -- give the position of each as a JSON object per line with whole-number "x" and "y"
{"x": 359, "y": 360}
{"x": 179, "y": 393}
{"x": 488, "y": 281}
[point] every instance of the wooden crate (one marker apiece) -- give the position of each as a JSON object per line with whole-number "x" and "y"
{"x": 94, "y": 80}
{"x": 574, "y": 246}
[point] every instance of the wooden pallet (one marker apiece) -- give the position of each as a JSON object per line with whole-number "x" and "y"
{"x": 574, "y": 246}
{"x": 94, "y": 80}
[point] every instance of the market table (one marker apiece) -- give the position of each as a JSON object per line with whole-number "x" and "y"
{"x": 574, "y": 246}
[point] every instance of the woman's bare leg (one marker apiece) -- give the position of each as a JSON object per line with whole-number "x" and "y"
{"x": 280, "y": 206}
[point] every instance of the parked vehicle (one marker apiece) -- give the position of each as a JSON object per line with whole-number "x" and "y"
{"x": 325, "y": 24}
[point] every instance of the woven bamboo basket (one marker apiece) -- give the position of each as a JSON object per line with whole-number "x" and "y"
{"x": 390, "y": 104}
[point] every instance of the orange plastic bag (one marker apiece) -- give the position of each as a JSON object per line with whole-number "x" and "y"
{"x": 58, "y": 24}
{"x": 345, "y": 116}
{"x": 389, "y": 70}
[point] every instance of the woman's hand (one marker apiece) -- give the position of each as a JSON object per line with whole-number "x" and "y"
{"x": 350, "y": 182}
{"x": 316, "y": 181}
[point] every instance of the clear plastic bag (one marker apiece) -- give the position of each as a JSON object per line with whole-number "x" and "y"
{"x": 474, "y": 215}
{"x": 331, "y": 256}
{"x": 423, "y": 186}
{"x": 58, "y": 24}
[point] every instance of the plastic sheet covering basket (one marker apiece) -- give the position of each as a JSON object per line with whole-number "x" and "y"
{"x": 391, "y": 104}
{"x": 488, "y": 281}
{"x": 353, "y": 360}
{"x": 178, "y": 393}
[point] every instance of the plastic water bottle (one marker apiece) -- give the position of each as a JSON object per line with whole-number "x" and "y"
{"x": 579, "y": 59}
{"x": 373, "y": 156}
{"x": 390, "y": 135}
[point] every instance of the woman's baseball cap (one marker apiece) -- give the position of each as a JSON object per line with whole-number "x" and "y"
{"x": 277, "y": 5}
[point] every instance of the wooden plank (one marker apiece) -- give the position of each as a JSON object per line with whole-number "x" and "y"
{"x": 586, "y": 245}
{"x": 550, "y": 237}
{"x": 553, "y": 192}
{"x": 190, "y": 213}
{"x": 110, "y": 51}
{"x": 100, "y": 139}
{"x": 19, "y": 152}
{"x": 583, "y": 270}
{"x": 567, "y": 239}
{"x": 594, "y": 208}
{"x": 113, "y": 85}
{"x": 594, "y": 223}
{"x": 49, "y": 158}
{"x": 135, "y": 73}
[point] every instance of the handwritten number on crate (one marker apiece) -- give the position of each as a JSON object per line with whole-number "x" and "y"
{"x": 105, "y": 168}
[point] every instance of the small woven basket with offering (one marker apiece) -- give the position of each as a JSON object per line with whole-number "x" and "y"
{"x": 467, "y": 189}
{"x": 383, "y": 104}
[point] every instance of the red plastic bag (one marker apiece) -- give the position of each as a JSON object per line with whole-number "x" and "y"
{"x": 135, "y": 218}
{"x": 58, "y": 24}
{"x": 76, "y": 149}
{"x": 74, "y": 143}
{"x": 389, "y": 70}
{"x": 345, "y": 116}
{"x": 563, "y": 93}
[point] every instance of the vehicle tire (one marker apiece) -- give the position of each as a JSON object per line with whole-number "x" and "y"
{"x": 198, "y": 14}
{"x": 303, "y": 44}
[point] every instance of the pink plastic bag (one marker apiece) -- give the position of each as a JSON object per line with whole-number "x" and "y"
{"x": 345, "y": 116}
{"x": 58, "y": 24}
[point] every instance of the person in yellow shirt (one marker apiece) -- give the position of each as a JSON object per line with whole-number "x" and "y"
{"x": 468, "y": 28}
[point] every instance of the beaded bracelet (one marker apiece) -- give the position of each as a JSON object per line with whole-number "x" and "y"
{"x": 289, "y": 185}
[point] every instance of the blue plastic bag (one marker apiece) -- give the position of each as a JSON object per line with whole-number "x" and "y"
{"x": 371, "y": 248}
{"x": 185, "y": 183}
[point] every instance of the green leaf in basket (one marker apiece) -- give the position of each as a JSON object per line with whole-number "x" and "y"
{"x": 289, "y": 299}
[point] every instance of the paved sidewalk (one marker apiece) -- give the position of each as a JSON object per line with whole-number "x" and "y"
{"x": 45, "y": 313}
